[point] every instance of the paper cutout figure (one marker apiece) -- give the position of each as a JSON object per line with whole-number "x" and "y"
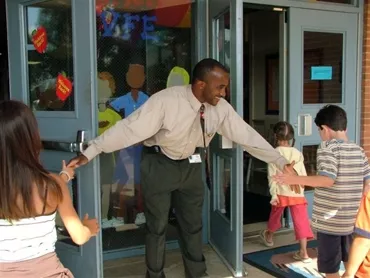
{"x": 40, "y": 39}
{"x": 128, "y": 103}
{"x": 178, "y": 76}
{"x": 63, "y": 86}
{"x": 135, "y": 76}
{"x": 131, "y": 156}
{"x": 107, "y": 117}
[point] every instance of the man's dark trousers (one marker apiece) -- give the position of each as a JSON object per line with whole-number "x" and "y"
{"x": 167, "y": 182}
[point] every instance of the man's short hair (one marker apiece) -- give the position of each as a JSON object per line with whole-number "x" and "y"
{"x": 333, "y": 117}
{"x": 204, "y": 67}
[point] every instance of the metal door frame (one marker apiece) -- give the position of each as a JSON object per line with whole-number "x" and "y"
{"x": 357, "y": 8}
{"x": 235, "y": 224}
{"x": 85, "y": 83}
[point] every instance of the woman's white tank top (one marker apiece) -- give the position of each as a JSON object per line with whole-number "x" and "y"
{"x": 27, "y": 238}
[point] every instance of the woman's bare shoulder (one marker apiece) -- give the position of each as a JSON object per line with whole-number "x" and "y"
{"x": 52, "y": 199}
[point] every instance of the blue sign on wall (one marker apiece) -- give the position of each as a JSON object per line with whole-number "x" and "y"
{"x": 322, "y": 73}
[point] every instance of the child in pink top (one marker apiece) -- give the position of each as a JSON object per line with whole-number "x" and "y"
{"x": 283, "y": 196}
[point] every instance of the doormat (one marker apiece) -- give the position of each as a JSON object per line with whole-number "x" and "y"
{"x": 279, "y": 262}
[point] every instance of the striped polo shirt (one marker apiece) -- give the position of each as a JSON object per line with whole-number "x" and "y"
{"x": 335, "y": 208}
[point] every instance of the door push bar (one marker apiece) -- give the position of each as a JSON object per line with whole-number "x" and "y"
{"x": 71, "y": 147}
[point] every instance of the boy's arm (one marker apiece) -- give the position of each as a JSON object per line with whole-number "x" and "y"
{"x": 313, "y": 181}
{"x": 327, "y": 167}
{"x": 361, "y": 244}
{"x": 248, "y": 138}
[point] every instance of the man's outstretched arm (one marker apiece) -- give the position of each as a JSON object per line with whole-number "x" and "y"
{"x": 237, "y": 130}
{"x": 139, "y": 126}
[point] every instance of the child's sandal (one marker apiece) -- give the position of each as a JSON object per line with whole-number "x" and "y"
{"x": 297, "y": 256}
{"x": 264, "y": 239}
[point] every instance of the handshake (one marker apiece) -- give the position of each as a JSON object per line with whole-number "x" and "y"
{"x": 68, "y": 170}
{"x": 78, "y": 161}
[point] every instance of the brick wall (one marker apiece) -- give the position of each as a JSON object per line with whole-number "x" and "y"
{"x": 365, "y": 105}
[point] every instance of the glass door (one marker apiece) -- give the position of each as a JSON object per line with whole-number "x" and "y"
{"x": 52, "y": 69}
{"x": 323, "y": 57}
{"x": 226, "y": 202}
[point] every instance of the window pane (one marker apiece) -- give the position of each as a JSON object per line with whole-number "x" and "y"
{"x": 222, "y": 44}
{"x": 257, "y": 191}
{"x": 323, "y": 55}
{"x": 337, "y": 1}
{"x": 50, "y": 56}
{"x": 310, "y": 156}
{"x": 142, "y": 47}
{"x": 223, "y": 39}
{"x": 223, "y": 185}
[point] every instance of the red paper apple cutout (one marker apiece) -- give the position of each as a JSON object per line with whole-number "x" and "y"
{"x": 40, "y": 39}
{"x": 63, "y": 87}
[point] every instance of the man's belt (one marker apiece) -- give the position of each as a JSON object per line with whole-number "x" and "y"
{"x": 157, "y": 150}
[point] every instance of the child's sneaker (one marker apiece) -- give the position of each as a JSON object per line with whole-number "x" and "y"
{"x": 105, "y": 223}
{"x": 117, "y": 222}
{"x": 264, "y": 239}
{"x": 140, "y": 219}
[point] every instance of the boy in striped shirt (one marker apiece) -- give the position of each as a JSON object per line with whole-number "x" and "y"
{"x": 342, "y": 173}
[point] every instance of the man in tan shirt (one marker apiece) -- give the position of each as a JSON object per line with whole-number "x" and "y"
{"x": 169, "y": 126}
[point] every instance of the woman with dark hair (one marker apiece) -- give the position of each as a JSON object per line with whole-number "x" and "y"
{"x": 30, "y": 197}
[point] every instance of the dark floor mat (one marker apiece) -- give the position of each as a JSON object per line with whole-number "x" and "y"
{"x": 279, "y": 262}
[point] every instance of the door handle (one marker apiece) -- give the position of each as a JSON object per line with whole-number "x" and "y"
{"x": 304, "y": 125}
{"x": 80, "y": 145}
{"x": 70, "y": 147}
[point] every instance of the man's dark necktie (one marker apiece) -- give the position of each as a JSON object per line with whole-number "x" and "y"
{"x": 208, "y": 174}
